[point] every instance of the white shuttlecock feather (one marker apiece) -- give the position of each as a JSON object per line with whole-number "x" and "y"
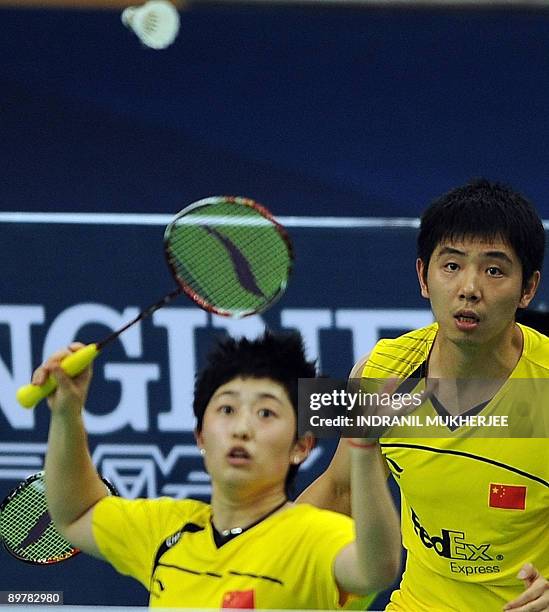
{"x": 156, "y": 23}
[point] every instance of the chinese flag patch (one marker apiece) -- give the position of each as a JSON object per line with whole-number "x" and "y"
{"x": 241, "y": 600}
{"x": 511, "y": 497}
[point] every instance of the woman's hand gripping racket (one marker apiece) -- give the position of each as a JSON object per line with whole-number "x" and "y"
{"x": 26, "y": 528}
{"x": 228, "y": 254}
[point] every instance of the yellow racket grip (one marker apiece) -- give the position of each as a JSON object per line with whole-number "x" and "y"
{"x": 29, "y": 395}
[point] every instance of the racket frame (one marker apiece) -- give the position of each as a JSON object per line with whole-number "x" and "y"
{"x": 196, "y": 297}
{"x": 13, "y": 493}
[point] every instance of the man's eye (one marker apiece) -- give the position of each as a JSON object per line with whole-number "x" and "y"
{"x": 494, "y": 271}
{"x": 451, "y": 266}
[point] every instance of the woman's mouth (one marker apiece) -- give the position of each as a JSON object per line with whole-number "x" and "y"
{"x": 238, "y": 455}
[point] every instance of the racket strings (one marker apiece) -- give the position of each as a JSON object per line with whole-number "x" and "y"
{"x": 27, "y": 530}
{"x": 232, "y": 256}
{"x": 236, "y": 284}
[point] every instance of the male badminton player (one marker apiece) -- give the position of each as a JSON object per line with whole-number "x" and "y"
{"x": 475, "y": 512}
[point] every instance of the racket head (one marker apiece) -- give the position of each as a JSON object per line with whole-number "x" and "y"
{"x": 26, "y": 529}
{"x": 229, "y": 255}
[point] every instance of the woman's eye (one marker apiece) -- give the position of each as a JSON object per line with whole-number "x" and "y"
{"x": 226, "y": 409}
{"x": 265, "y": 413}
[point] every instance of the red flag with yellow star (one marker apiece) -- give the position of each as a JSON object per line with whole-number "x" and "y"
{"x": 511, "y": 497}
{"x": 239, "y": 600}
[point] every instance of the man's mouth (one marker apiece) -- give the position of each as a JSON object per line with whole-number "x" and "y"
{"x": 466, "y": 320}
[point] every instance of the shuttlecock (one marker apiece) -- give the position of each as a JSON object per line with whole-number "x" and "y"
{"x": 156, "y": 23}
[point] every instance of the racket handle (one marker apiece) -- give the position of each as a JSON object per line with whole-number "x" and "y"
{"x": 29, "y": 395}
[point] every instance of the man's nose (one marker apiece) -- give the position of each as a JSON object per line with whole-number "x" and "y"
{"x": 470, "y": 287}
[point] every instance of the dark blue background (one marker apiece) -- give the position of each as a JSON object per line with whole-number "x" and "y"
{"x": 316, "y": 112}
{"x": 342, "y": 111}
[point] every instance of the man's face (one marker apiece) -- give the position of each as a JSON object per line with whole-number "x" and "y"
{"x": 475, "y": 288}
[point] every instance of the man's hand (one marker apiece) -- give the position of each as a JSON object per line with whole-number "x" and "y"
{"x": 71, "y": 393}
{"x": 536, "y": 594}
{"x": 388, "y": 408}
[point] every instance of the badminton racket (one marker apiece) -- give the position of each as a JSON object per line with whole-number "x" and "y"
{"x": 26, "y": 529}
{"x": 228, "y": 254}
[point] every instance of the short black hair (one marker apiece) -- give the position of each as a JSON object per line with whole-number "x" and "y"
{"x": 485, "y": 210}
{"x": 279, "y": 356}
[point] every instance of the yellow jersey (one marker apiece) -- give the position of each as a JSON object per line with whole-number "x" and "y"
{"x": 286, "y": 561}
{"x": 473, "y": 510}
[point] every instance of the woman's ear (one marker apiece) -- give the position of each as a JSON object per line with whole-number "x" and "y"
{"x": 199, "y": 439}
{"x": 302, "y": 448}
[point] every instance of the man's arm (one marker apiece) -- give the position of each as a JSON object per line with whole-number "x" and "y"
{"x": 73, "y": 486}
{"x": 355, "y": 483}
{"x": 372, "y": 562}
{"x": 332, "y": 489}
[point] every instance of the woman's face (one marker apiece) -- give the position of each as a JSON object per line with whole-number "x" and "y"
{"x": 249, "y": 434}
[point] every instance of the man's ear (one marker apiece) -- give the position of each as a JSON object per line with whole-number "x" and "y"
{"x": 529, "y": 290}
{"x": 421, "y": 270}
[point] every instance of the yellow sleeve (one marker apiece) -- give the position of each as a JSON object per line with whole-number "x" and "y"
{"x": 129, "y": 532}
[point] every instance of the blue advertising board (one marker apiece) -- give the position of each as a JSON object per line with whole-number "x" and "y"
{"x": 350, "y": 286}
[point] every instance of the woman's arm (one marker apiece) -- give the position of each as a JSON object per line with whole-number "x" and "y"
{"x": 73, "y": 486}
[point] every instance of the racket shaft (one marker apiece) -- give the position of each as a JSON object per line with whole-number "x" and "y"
{"x": 29, "y": 395}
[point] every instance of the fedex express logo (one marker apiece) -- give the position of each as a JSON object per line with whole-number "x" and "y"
{"x": 452, "y": 545}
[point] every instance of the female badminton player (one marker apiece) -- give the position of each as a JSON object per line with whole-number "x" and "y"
{"x": 250, "y": 547}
